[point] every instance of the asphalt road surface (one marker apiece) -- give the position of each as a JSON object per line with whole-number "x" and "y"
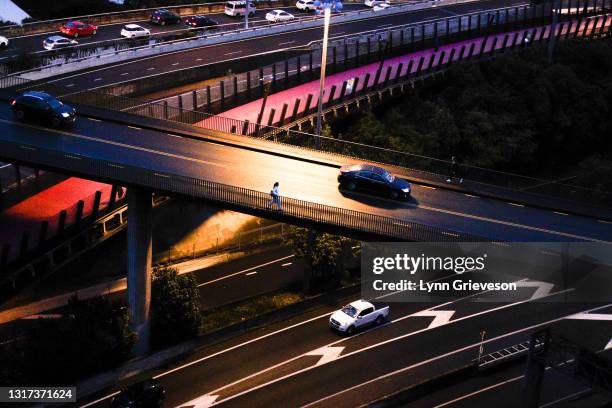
{"x": 176, "y": 61}
{"x": 173, "y": 155}
{"x": 33, "y": 42}
{"x": 266, "y": 271}
{"x": 300, "y": 362}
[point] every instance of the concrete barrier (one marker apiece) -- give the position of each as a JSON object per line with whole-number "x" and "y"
{"x": 113, "y": 57}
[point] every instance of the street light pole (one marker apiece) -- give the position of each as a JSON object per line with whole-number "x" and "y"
{"x": 327, "y": 14}
{"x": 246, "y": 15}
{"x": 552, "y": 38}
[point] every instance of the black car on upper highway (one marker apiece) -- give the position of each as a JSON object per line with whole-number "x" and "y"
{"x": 372, "y": 179}
{"x": 164, "y": 16}
{"x": 200, "y": 22}
{"x": 42, "y": 107}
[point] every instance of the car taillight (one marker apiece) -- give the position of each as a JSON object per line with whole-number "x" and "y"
{"x": 13, "y": 102}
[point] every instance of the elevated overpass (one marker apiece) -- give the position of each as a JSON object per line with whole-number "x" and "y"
{"x": 239, "y": 174}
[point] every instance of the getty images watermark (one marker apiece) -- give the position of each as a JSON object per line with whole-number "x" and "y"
{"x": 496, "y": 272}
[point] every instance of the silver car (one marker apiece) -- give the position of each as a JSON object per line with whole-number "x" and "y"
{"x": 56, "y": 42}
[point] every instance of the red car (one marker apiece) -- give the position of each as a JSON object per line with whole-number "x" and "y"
{"x": 78, "y": 28}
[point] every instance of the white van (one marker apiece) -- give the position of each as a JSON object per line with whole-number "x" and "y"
{"x": 238, "y": 8}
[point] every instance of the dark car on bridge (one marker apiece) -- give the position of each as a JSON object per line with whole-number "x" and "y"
{"x": 163, "y": 17}
{"x": 42, "y": 107}
{"x": 200, "y": 22}
{"x": 145, "y": 394}
{"x": 372, "y": 179}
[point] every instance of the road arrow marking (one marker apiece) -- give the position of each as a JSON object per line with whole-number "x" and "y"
{"x": 204, "y": 401}
{"x": 544, "y": 288}
{"x": 593, "y": 316}
{"x": 327, "y": 354}
{"x": 440, "y": 316}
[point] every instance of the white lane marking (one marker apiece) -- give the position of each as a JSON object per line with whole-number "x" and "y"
{"x": 150, "y": 69}
{"x": 198, "y": 59}
{"x": 170, "y": 134}
{"x": 140, "y": 61}
{"x": 89, "y": 404}
{"x": 440, "y": 357}
{"x": 594, "y": 316}
{"x": 381, "y": 343}
{"x": 5, "y": 166}
{"x": 471, "y": 394}
{"x": 69, "y": 85}
{"x": 560, "y": 213}
{"x": 428, "y": 187}
{"x": 605, "y": 222}
{"x": 441, "y": 317}
{"x": 287, "y": 264}
{"x": 516, "y": 205}
{"x": 43, "y": 316}
{"x": 161, "y": 175}
{"x": 243, "y": 271}
{"x": 233, "y": 53}
{"x": 470, "y": 195}
{"x": 507, "y": 223}
{"x": 555, "y": 402}
{"x": 543, "y": 288}
{"x": 94, "y": 120}
{"x": 204, "y": 401}
{"x": 176, "y": 63}
{"x": 286, "y": 43}
{"x": 384, "y": 25}
{"x": 124, "y": 74}
{"x": 119, "y": 144}
{"x": 340, "y": 33}
{"x": 134, "y": 127}
{"x": 246, "y": 343}
{"x": 327, "y": 354}
{"x": 97, "y": 79}
{"x": 250, "y": 273}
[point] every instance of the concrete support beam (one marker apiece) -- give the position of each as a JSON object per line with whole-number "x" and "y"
{"x": 139, "y": 265}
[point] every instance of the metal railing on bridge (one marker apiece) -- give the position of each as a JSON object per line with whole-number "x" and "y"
{"x": 291, "y": 135}
{"x": 241, "y": 199}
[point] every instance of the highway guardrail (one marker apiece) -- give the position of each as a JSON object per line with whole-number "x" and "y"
{"x": 93, "y": 54}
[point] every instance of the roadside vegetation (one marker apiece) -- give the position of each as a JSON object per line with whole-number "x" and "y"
{"x": 326, "y": 257}
{"x": 515, "y": 113}
{"x": 93, "y": 335}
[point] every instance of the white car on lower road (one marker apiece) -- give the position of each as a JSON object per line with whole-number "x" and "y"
{"x": 372, "y": 3}
{"x": 279, "y": 15}
{"x": 307, "y": 5}
{"x": 134, "y": 31}
{"x": 357, "y": 314}
{"x": 3, "y": 42}
{"x": 381, "y": 6}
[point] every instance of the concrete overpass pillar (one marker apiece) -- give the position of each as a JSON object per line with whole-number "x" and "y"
{"x": 139, "y": 265}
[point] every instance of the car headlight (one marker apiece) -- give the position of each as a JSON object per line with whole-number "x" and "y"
{"x": 65, "y": 114}
{"x": 406, "y": 190}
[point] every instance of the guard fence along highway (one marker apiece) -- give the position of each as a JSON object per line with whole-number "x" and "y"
{"x": 236, "y": 198}
{"x": 411, "y": 71}
{"x": 118, "y": 49}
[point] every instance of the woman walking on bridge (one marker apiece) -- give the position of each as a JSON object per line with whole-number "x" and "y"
{"x": 275, "y": 194}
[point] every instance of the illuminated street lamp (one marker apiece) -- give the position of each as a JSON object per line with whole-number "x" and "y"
{"x": 246, "y": 14}
{"x": 327, "y": 14}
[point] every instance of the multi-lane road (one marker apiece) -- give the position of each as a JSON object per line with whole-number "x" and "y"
{"x": 205, "y": 55}
{"x": 168, "y": 155}
{"x": 302, "y": 363}
{"x": 33, "y": 42}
